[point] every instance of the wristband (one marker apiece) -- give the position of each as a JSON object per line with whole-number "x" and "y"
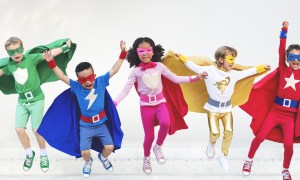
{"x": 65, "y": 48}
{"x": 182, "y": 58}
{"x": 283, "y": 34}
{"x": 123, "y": 55}
{"x": 51, "y": 64}
{"x": 194, "y": 78}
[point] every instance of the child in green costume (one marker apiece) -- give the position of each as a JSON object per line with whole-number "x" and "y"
{"x": 27, "y": 81}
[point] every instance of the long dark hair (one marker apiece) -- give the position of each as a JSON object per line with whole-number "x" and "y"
{"x": 133, "y": 58}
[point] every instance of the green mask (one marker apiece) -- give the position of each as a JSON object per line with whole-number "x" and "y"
{"x": 19, "y": 50}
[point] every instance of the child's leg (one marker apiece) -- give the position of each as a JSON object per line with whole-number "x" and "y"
{"x": 86, "y": 155}
{"x": 288, "y": 132}
{"x": 36, "y": 111}
{"x": 269, "y": 123}
{"x": 102, "y": 133}
{"x": 86, "y": 135}
{"x": 22, "y": 116}
{"x": 214, "y": 129}
{"x": 227, "y": 122}
{"x": 162, "y": 115}
{"x": 148, "y": 119}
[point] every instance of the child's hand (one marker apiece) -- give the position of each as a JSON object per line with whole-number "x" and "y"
{"x": 177, "y": 54}
{"x": 123, "y": 46}
{"x": 115, "y": 103}
{"x": 285, "y": 24}
{"x": 48, "y": 56}
{"x": 69, "y": 43}
{"x": 266, "y": 66}
{"x": 203, "y": 75}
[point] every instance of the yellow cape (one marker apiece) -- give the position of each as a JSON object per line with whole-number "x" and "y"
{"x": 195, "y": 93}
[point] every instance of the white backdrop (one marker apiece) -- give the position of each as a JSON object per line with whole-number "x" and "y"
{"x": 192, "y": 27}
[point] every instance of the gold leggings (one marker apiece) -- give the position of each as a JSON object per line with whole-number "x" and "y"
{"x": 214, "y": 129}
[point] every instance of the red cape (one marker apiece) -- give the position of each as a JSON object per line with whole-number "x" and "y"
{"x": 260, "y": 102}
{"x": 176, "y": 105}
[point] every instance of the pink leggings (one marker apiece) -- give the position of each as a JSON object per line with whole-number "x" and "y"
{"x": 283, "y": 119}
{"x": 150, "y": 115}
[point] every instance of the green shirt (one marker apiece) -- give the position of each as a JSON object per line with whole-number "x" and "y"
{"x": 26, "y": 76}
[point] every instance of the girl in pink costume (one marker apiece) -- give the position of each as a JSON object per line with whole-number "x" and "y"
{"x": 147, "y": 74}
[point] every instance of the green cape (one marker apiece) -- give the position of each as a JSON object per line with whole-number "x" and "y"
{"x": 7, "y": 83}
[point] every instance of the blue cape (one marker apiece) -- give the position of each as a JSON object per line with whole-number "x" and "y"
{"x": 60, "y": 125}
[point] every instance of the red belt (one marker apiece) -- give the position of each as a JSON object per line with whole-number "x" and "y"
{"x": 93, "y": 119}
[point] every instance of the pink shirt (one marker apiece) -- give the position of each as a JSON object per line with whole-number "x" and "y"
{"x": 149, "y": 82}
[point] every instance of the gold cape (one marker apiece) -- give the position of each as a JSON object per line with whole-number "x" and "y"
{"x": 195, "y": 93}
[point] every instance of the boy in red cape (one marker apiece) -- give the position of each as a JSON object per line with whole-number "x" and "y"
{"x": 274, "y": 112}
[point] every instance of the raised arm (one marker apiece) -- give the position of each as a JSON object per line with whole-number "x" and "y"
{"x": 282, "y": 45}
{"x": 126, "y": 89}
{"x": 119, "y": 62}
{"x": 189, "y": 64}
{"x": 63, "y": 49}
{"x": 52, "y": 64}
{"x": 251, "y": 71}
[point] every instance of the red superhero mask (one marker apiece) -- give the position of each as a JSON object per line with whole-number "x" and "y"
{"x": 83, "y": 80}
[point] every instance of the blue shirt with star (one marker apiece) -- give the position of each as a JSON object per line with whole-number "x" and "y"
{"x": 91, "y": 102}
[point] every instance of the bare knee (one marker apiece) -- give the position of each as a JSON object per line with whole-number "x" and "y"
{"x": 35, "y": 132}
{"x": 85, "y": 153}
{"x": 109, "y": 148}
{"x": 20, "y": 131}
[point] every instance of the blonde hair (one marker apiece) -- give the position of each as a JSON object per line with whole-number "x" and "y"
{"x": 222, "y": 51}
{"x": 12, "y": 41}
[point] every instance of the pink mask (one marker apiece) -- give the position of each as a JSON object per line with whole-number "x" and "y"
{"x": 142, "y": 51}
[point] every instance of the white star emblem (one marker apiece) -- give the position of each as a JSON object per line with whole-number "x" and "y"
{"x": 291, "y": 82}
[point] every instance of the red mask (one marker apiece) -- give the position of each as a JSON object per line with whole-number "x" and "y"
{"x": 83, "y": 80}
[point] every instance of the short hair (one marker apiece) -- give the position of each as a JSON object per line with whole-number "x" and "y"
{"x": 83, "y": 66}
{"x": 291, "y": 47}
{"x": 12, "y": 41}
{"x": 223, "y": 51}
{"x": 133, "y": 58}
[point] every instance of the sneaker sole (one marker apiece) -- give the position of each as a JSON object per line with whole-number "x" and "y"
{"x": 44, "y": 169}
{"x": 26, "y": 169}
{"x": 246, "y": 173}
{"x": 86, "y": 176}
{"x": 210, "y": 157}
{"x": 147, "y": 172}
{"x": 160, "y": 163}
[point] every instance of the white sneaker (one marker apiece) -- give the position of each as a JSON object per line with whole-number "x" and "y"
{"x": 147, "y": 165}
{"x": 158, "y": 154}
{"x": 87, "y": 168}
{"x": 223, "y": 160}
{"x": 210, "y": 150}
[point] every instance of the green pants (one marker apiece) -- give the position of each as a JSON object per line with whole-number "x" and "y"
{"x": 35, "y": 110}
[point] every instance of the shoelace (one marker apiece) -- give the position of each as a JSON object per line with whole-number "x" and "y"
{"x": 28, "y": 161}
{"x": 87, "y": 167}
{"x": 106, "y": 163}
{"x": 286, "y": 175}
{"x": 44, "y": 160}
{"x": 159, "y": 153}
{"x": 147, "y": 163}
{"x": 247, "y": 165}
